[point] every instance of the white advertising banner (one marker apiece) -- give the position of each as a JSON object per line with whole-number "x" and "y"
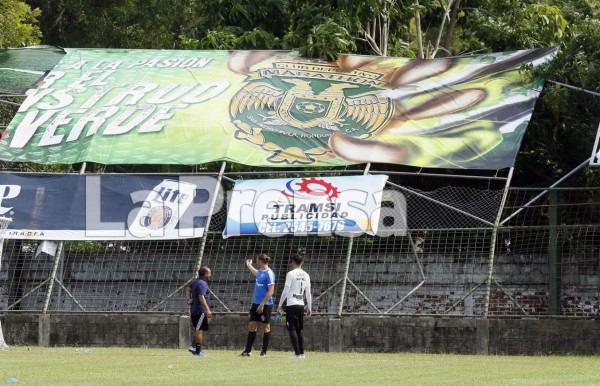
{"x": 302, "y": 206}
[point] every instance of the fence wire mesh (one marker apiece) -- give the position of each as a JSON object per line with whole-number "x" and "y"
{"x": 546, "y": 261}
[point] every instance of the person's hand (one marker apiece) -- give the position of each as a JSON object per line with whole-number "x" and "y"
{"x": 190, "y": 301}
{"x": 248, "y": 262}
{"x": 209, "y": 314}
{"x": 260, "y": 308}
{"x": 280, "y": 310}
{"x": 308, "y": 312}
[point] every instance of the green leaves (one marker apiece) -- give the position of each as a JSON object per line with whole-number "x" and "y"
{"x": 18, "y": 24}
{"x": 327, "y": 40}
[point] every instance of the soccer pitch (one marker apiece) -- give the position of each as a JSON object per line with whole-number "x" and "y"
{"x": 131, "y": 366}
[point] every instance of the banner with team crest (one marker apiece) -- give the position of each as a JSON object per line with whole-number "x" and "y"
{"x": 276, "y": 109}
{"x": 305, "y": 206}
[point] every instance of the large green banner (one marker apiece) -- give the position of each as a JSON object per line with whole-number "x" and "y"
{"x": 275, "y": 109}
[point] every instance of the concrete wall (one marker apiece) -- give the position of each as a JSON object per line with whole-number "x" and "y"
{"x": 132, "y": 283}
{"x": 349, "y": 333}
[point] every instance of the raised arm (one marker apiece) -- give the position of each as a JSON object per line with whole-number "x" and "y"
{"x": 250, "y": 267}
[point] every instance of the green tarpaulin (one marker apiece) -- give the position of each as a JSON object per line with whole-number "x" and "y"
{"x": 275, "y": 109}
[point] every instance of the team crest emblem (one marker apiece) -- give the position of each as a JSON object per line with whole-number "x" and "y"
{"x": 291, "y": 113}
{"x": 157, "y": 218}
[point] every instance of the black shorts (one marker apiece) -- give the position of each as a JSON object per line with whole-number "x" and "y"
{"x": 265, "y": 317}
{"x": 294, "y": 317}
{"x": 200, "y": 322}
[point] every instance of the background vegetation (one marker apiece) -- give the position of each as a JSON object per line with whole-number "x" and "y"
{"x": 564, "y": 124}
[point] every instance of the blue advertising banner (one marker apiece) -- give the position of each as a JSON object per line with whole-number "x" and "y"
{"x": 104, "y": 207}
{"x": 302, "y": 206}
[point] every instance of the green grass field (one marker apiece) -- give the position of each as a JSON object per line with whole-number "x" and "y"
{"x": 131, "y": 366}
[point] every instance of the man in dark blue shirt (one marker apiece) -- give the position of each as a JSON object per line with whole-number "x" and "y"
{"x": 198, "y": 297}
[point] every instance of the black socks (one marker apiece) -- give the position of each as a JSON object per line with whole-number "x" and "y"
{"x": 266, "y": 339}
{"x": 250, "y": 341}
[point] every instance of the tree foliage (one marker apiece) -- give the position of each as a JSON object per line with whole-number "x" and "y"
{"x": 564, "y": 122}
{"x": 564, "y": 125}
{"x": 18, "y": 24}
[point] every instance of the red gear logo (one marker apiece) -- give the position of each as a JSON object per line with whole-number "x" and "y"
{"x": 327, "y": 189}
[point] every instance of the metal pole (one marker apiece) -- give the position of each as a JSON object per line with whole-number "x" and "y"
{"x": 57, "y": 259}
{"x": 296, "y": 172}
{"x": 28, "y": 293}
{"x": 574, "y": 88}
{"x": 420, "y": 266}
{"x": 345, "y": 281}
{"x": 203, "y": 242}
{"x": 510, "y": 297}
{"x": 58, "y": 262}
{"x": 348, "y": 257}
{"x": 10, "y": 103}
{"x": 553, "y": 272}
{"x": 209, "y": 217}
{"x": 584, "y": 163}
{"x": 488, "y": 290}
{"x": 364, "y": 296}
{"x": 441, "y": 203}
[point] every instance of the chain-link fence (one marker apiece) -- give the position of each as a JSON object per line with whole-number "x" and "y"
{"x": 455, "y": 258}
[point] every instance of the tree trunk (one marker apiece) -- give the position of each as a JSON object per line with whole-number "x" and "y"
{"x": 449, "y": 31}
{"x": 419, "y": 33}
{"x": 385, "y": 27}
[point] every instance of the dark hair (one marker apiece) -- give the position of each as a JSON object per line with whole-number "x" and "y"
{"x": 264, "y": 258}
{"x": 202, "y": 271}
{"x": 297, "y": 258}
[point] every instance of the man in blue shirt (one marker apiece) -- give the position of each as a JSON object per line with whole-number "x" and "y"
{"x": 262, "y": 303}
{"x": 198, "y": 297}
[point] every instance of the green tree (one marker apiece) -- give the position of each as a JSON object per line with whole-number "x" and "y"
{"x": 18, "y": 24}
{"x": 565, "y": 122}
{"x": 117, "y": 24}
{"x": 18, "y": 27}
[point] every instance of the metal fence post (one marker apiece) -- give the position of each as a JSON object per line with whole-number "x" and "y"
{"x": 348, "y": 257}
{"x": 202, "y": 243}
{"x": 553, "y": 273}
{"x": 57, "y": 260}
{"x": 57, "y": 263}
{"x": 488, "y": 290}
{"x": 345, "y": 281}
{"x": 209, "y": 217}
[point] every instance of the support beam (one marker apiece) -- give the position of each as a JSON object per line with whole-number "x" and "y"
{"x": 492, "y": 254}
{"x": 553, "y": 271}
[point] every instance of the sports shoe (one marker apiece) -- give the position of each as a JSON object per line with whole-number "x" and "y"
{"x": 263, "y": 353}
{"x": 245, "y": 354}
{"x": 200, "y": 354}
{"x": 299, "y": 356}
{"x": 192, "y": 349}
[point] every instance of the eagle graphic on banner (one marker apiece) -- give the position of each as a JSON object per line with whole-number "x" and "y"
{"x": 309, "y": 114}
